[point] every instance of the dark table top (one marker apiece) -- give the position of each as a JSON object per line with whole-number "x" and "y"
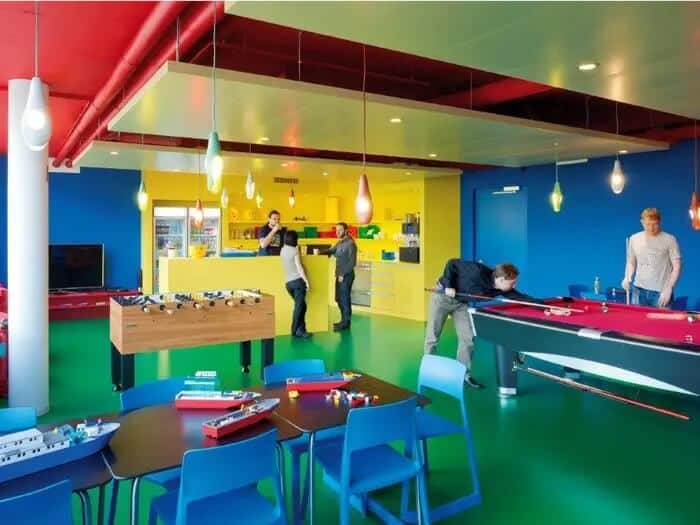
{"x": 311, "y": 411}
{"x": 84, "y": 474}
{"x": 154, "y": 438}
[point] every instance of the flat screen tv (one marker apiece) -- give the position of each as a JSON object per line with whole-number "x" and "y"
{"x": 74, "y": 266}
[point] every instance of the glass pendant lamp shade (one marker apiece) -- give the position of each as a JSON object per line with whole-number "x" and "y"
{"x": 224, "y": 199}
{"x": 694, "y": 211}
{"x": 363, "y": 202}
{"x": 258, "y": 200}
{"x": 249, "y": 186}
{"x": 142, "y": 197}
{"x": 617, "y": 178}
{"x": 36, "y": 119}
{"x": 213, "y": 163}
{"x": 556, "y": 197}
{"x": 292, "y": 198}
{"x": 198, "y": 215}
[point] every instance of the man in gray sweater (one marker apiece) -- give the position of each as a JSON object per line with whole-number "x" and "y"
{"x": 345, "y": 251}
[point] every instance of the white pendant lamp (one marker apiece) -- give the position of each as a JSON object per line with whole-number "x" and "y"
{"x": 249, "y": 186}
{"x": 213, "y": 162}
{"x": 617, "y": 176}
{"x": 363, "y": 201}
{"x": 36, "y": 119}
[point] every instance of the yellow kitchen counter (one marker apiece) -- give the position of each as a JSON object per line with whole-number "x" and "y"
{"x": 183, "y": 274}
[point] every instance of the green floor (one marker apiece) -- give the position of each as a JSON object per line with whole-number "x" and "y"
{"x": 552, "y": 455}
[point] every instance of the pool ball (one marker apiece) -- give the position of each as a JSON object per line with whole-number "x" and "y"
{"x": 691, "y": 318}
{"x": 604, "y": 308}
{"x": 688, "y": 338}
{"x": 547, "y": 312}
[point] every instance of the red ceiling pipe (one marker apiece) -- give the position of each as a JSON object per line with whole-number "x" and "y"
{"x": 161, "y": 16}
{"x": 192, "y": 27}
{"x": 492, "y": 93}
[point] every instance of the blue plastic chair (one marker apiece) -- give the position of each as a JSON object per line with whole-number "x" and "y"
{"x": 445, "y": 375}
{"x": 16, "y": 419}
{"x": 364, "y": 461}
{"x": 219, "y": 485}
{"x": 48, "y": 506}
{"x": 154, "y": 393}
{"x": 276, "y": 374}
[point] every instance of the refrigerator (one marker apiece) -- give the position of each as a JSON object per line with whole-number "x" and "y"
{"x": 174, "y": 229}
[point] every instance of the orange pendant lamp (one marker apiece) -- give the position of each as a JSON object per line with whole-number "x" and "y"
{"x": 292, "y": 199}
{"x": 694, "y": 210}
{"x": 363, "y": 201}
{"x": 198, "y": 214}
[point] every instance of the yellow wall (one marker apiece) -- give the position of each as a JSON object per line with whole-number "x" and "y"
{"x": 182, "y": 274}
{"x": 440, "y": 237}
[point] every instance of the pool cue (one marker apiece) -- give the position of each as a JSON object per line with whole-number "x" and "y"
{"x": 678, "y": 316}
{"x": 511, "y": 301}
{"x": 627, "y": 254}
{"x": 601, "y": 392}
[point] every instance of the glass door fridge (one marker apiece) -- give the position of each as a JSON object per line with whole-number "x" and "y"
{"x": 170, "y": 233}
{"x": 210, "y": 232}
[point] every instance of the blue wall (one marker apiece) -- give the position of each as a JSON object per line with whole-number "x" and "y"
{"x": 587, "y": 238}
{"x": 94, "y": 206}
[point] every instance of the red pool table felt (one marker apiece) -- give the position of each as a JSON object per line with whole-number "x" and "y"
{"x": 629, "y": 319}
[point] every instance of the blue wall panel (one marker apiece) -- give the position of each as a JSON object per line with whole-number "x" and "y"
{"x": 587, "y": 238}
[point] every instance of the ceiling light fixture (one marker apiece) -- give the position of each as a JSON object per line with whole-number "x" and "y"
{"x": 249, "y": 186}
{"x": 141, "y": 194}
{"x": 556, "y": 197}
{"x": 36, "y": 118}
{"x": 587, "y": 66}
{"x": 213, "y": 162}
{"x": 617, "y": 176}
{"x": 114, "y": 153}
{"x": 264, "y": 139}
{"x": 395, "y": 120}
{"x": 694, "y": 209}
{"x": 363, "y": 201}
{"x": 432, "y": 155}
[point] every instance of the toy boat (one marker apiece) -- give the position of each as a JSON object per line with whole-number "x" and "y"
{"x": 244, "y": 417}
{"x": 213, "y": 400}
{"x": 320, "y": 382}
{"x": 32, "y": 450}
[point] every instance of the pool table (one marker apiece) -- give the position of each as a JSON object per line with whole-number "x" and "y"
{"x": 614, "y": 341}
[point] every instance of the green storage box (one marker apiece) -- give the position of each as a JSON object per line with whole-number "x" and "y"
{"x": 369, "y": 231}
{"x": 310, "y": 232}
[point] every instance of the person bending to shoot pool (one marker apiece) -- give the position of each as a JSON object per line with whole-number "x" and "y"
{"x": 459, "y": 280}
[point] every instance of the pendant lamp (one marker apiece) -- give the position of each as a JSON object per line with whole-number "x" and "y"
{"x": 213, "y": 162}
{"x": 363, "y": 202}
{"x": 249, "y": 186}
{"x": 556, "y": 197}
{"x": 142, "y": 196}
{"x": 617, "y": 176}
{"x": 292, "y": 198}
{"x": 224, "y": 199}
{"x": 694, "y": 210}
{"x": 36, "y": 118}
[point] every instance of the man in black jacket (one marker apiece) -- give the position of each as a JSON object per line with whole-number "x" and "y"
{"x": 465, "y": 277}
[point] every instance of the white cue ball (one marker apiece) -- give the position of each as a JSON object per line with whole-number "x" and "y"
{"x": 547, "y": 312}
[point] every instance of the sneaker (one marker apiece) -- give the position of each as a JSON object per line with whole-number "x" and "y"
{"x": 339, "y": 327}
{"x": 302, "y": 335}
{"x": 473, "y": 383}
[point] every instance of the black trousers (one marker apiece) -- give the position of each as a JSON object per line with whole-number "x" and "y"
{"x": 297, "y": 291}
{"x": 342, "y": 296}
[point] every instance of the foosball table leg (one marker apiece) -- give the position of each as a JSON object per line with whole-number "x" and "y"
{"x": 122, "y": 369}
{"x": 245, "y": 356}
{"x": 268, "y": 354}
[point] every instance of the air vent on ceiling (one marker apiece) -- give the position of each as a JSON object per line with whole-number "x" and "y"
{"x": 286, "y": 180}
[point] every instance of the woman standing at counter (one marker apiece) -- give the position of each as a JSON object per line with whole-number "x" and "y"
{"x": 296, "y": 282}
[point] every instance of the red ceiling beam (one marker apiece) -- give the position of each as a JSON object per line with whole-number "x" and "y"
{"x": 493, "y": 93}
{"x": 127, "y": 79}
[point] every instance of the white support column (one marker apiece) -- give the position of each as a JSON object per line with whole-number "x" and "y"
{"x": 27, "y": 260}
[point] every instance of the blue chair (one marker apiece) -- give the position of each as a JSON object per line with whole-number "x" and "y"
{"x": 48, "y": 506}
{"x": 16, "y": 419}
{"x": 154, "y": 393}
{"x": 365, "y": 461}
{"x": 680, "y": 303}
{"x": 446, "y": 376}
{"x": 278, "y": 373}
{"x": 218, "y": 484}
{"x": 575, "y": 290}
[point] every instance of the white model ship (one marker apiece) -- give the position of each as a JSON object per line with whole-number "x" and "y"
{"x": 31, "y": 450}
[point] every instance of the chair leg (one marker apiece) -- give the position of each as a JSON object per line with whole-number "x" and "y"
{"x": 422, "y": 504}
{"x": 85, "y": 505}
{"x": 113, "y": 502}
{"x": 101, "y": 505}
{"x": 297, "y": 503}
{"x": 424, "y": 446}
{"x": 152, "y": 516}
{"x": 135, "y": 500}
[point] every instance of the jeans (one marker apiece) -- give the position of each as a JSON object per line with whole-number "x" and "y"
{"x": 645, "y": 297}
{"x": 342, "y": 297}
{"x": 297, "y": 291}
{"x": 440, "y": 307}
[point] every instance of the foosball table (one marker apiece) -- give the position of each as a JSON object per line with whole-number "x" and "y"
{"x": 148, "y": 323}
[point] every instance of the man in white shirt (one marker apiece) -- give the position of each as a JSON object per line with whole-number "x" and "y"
{"x": 653, "y": 257}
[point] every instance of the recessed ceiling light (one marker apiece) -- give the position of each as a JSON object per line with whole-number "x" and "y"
{"x": 325, "y": 174}
{"x": 408, "y": 173}
{"x": 284, "y": 164}
{"x": 622, "y": 151}
{"x": 395, "y": 120}
{"x": 587, "y": 66}
{"x": 114, "y": 153}
{"x": 432, "y": 155}
{"x": 264, "y": 139}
